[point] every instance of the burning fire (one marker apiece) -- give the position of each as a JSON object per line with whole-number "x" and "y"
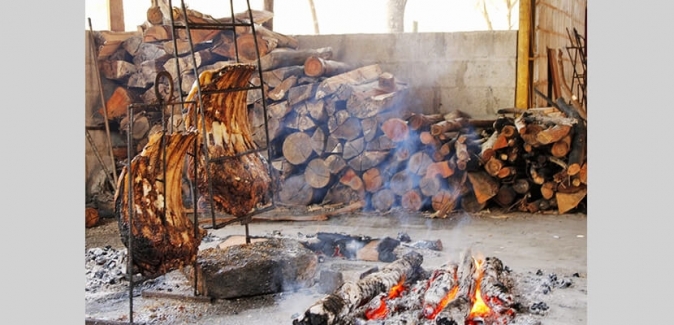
{"x": 480, "y": 308}
{"x": 381, "y": 311}
{"x": 431, "y": 312}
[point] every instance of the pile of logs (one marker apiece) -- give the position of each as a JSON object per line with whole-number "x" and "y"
{"x": 339, "y": 133}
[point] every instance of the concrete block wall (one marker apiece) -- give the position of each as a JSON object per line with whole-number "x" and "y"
{"x": 470, "y": 71}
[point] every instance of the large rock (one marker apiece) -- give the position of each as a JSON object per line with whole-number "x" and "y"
{"x": 270, "y": 266}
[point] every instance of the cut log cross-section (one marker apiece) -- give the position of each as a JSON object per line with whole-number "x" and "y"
{"x": 239, "y": 178}
{"x": 163, "y": 237}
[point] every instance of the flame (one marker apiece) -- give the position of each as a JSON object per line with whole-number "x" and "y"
{"x": 397, "y": 290}
{"x": 382, "y": 309}
{"x": 480, "y": 308}
{"x": 431, "y": 312}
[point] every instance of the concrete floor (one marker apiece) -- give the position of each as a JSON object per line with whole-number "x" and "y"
{"x": 525, "y": 243}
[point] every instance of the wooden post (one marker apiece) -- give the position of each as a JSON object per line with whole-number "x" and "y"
{"x": 523, "y": 51}
{"x": 116, "y": 15}
{"x": 269, "y": 6}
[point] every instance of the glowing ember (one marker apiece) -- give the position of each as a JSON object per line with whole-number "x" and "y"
{"x": 479, "y": 309}
{"x": 381, "y": 310}
{"x": 377, "y": 313}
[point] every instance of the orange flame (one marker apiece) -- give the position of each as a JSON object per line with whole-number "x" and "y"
{"x": 480, "y": 308}
{"x": 397, "y": 290}
{"x": 382, "y": 310}
{"x": 431, "y": 312}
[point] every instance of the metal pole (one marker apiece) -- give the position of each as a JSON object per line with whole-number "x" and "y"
{"x": 129, "y": 267}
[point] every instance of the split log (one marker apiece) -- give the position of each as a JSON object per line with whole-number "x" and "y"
{"x": 568, "y": 201}
{"x": 273, "y": 78}
{"x": 505, "y": 196}
{"x": 315, "y": 66}
{"x": 470, "y": 203}
{"x": 316, "y": 110}
{"x": 297, "y": 148}
{"x": 239, "y": 178}
{"x": 281, "y": 91}
{"x": 351, "y": 179}
{"x": 299, "y": 122}
{"x": 420, "y": 121}
{"x": 91, "y": 217}
{"x": 442, "y": 168}
{"x": 387, "y": 82}
{"x": 411, "y": 200}
{"x": 383, "y": 200}
{"x": 333, "y": 145}
{"x": 521, "y": 186}
{"x": 367, "y": 160}
{"x": 448, "y": 126}
{"x": 318, "y": 141}
{"x": 493, "y": 166}
{"x": 349, "y": 130}
{"x": 443, "y": 203}
{"x": 164, "y": 238}
{"x": 418, "y": 163}
{"x": 368, "y": 100}
{"x": 373, "y": 180}
{"x": 107, "y": 42}
{"x": 484, "y": 186}
{"x": 118, "y": 103}
{"x": 317, "y": 173}
{"x": 300, "y": 93}
{"x": 553, "y": 134}
{"x": 279, "y": 110}
{"x": 117, "y": 70}
{"x": 282, "y": 167}
{"x": 340, "y": 193}
{"x": 282, "y": 57}
{"x": 295, "y": 191}
{"x": 353, "y": 148}
{"x": 333, "y": 308}
{"x": 335, "y": 163}
{"x": 354, "y": 77}
{"x": 381, "y": 143}
{"x": 401, "y": 183}
{"x": 157, "y": 33}
{"x": 561, "y": 148}
{"x": 395, "y": 129}
{"x": 576, "y": 156}
{"x": 370, "y": 127}
{"x": 429, "y": 186}
{"x": 548, "y": 190}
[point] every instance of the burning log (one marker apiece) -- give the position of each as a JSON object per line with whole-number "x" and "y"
{"x": 164, "y": 238}
{"x": 333, "y": 308}
{"x": 239, "y": 177}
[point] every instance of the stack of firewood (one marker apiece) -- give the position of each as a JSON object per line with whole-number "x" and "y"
{"x": 340, "y": 133}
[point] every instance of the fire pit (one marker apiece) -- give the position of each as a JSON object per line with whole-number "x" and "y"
{"x": 475, "y": 290}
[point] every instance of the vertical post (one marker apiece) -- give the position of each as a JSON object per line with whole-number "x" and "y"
{"x": 523, "y": 52}
{"x": 116, "y": 15}
{"x": 269, "y": 6}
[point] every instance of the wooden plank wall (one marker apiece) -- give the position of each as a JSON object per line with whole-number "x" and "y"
{"x": 551, "y": 20}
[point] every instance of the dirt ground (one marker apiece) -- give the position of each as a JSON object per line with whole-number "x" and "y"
{"x": 536, "y": 247}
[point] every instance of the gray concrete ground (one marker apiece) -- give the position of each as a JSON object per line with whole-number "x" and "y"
{"x": 526, "y": 243}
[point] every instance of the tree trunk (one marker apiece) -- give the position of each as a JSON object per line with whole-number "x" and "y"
{"x": 395, "y": 15}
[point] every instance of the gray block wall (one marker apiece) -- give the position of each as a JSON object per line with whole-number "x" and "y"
{"x": 470, "y": 71}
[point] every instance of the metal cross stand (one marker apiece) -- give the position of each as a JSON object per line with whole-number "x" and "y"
{"x": 162, "y": 103}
